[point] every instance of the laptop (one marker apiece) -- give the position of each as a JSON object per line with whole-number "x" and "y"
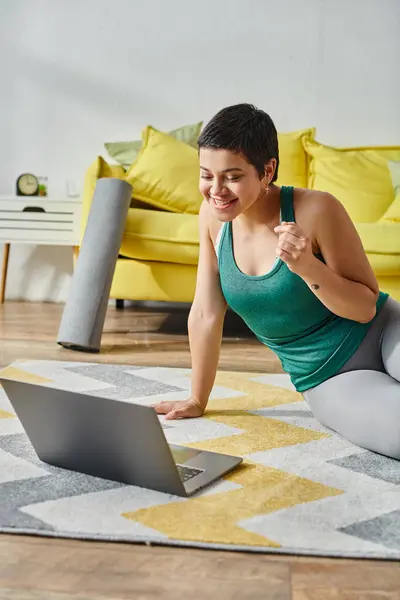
{"x": 111, "y": 439}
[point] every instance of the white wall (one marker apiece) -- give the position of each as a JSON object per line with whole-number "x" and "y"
{"x": 80, "y": 72}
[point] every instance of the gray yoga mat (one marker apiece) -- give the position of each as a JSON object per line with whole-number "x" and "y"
{"x": 83, "y": 318}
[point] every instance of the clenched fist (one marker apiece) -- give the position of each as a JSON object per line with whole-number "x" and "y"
{"x": 294, "y": 248}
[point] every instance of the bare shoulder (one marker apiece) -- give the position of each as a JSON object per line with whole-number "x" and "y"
{"x": 314, "y": 209}
{"x": 312, "y": 206}
{"x": 208, "y": 221}
{"x": 312, "y": 202}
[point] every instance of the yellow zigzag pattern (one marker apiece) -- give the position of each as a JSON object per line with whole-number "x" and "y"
{"x": 216, "y": 518}
{"x": 21, "y": 375}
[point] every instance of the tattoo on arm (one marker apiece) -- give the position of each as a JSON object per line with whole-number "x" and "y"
{"x": 315, "y": 286}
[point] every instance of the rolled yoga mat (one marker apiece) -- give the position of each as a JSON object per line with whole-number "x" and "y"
{"x": 83, "y": 318}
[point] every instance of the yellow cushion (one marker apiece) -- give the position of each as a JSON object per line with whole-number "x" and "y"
{"x": 98, "y": 169}
{"x": 161, "y": 236}
{"x": 381, "y": 242}
{"x": 387, "y": 265}
{"x": 393, "y": 212}
{"x": 126, "y": 152}
{"x": 166, "y": 173}
{"x": 380, "y": 237}
{"x": 358, "y": 177}
{"x": 391, "y": 285}
{"x": 293, "y": 159}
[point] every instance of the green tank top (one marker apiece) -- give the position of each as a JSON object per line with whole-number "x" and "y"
{"x": 311, "y": 342}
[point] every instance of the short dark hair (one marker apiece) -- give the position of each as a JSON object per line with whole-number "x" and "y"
{"x": 244, "y": 129}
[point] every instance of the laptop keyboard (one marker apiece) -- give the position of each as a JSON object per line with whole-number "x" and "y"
{"x": 187, "y": 473}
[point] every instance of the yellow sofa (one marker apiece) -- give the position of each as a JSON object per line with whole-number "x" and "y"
{"x": 159, "y": 251}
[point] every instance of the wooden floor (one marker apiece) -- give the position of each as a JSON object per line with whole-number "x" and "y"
{"x": 130, "y": 336}
{"x": 54, "y": 569}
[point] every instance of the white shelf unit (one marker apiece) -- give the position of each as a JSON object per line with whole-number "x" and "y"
{"x": 37, "y": 220}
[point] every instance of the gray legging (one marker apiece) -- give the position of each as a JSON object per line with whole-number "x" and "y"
{"x": 362, "y": 401}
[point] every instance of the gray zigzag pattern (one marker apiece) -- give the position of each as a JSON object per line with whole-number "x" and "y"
{"x": 385, "y": 527}
{"x": 123, "y": 385}
{"x": 371, "y": 464}
{"x": 60, "y": 483}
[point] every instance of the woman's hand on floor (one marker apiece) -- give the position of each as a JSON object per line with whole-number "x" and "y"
{"x": 182, "y": 409}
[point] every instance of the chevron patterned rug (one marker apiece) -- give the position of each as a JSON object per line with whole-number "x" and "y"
{"x": 301, "y": 488}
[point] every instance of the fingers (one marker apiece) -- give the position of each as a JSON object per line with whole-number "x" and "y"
{"x": 287, "y": 257}
{"x": 178, "y": 410}
{"x": 178, "y": 413}
{"x": 291, "y": 242}
{"x": 296, "y": 242}
{"x": 289, "y": 228}
{"x": 290, "y": 245}
{"x": 163, "y": 408}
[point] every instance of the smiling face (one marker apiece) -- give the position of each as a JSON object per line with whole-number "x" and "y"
{"x": 228, "y": 182}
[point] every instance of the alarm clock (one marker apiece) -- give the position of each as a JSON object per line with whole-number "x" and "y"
{"x": 27, "y": 185}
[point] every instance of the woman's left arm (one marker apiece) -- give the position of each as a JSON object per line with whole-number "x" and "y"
{"x": 346, "y": 284}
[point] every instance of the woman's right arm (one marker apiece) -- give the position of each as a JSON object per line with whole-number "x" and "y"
{"x": 206, "y": 317}
{"x": 205, "y": 326}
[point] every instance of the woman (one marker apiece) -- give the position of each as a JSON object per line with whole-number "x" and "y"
{"x": 291, "y": 264}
